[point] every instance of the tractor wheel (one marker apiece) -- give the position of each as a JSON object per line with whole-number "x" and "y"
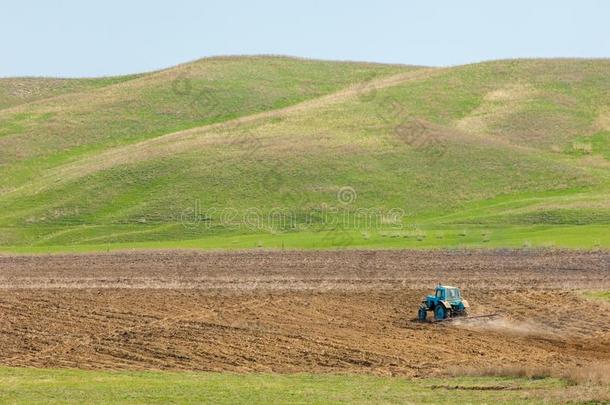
{"x": 439, "y": 312}
{"x": 422, "y": 314}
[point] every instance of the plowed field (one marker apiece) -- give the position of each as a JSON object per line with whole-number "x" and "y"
{"x": 345, "y": 311}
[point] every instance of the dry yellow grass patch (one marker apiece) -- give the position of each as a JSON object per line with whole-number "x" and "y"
{"x": 595, "y": 373}
{"x": 496, "y": 105}
{"x": 600, "y": 201}
{"x": 603, "y": 120}
{"x": 593, "y": 161}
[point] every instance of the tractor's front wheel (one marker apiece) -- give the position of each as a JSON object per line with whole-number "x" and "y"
{"x": 440, "y": 312}
{"x": 422, "y": 314}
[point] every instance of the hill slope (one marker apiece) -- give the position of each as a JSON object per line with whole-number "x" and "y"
{"x": 267, "y": 151}
{"x": 23, "y": 90}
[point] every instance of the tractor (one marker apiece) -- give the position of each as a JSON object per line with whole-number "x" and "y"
{"x": 446, "y": 303}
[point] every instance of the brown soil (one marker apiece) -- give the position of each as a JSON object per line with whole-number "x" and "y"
{"x": 346, "y": 311}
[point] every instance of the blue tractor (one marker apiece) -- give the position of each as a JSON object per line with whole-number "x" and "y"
{"x": 447, "y": 302}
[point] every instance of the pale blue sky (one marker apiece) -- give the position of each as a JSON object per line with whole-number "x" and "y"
{"x": 93, "y": 38}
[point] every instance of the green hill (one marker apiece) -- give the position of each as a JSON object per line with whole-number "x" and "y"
{"x": 23, "y": 90}
{"x": 272, "y": 151}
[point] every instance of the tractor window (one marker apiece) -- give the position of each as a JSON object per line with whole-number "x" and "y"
{"x": 453, "y": 294}
{"x": 439, "y": 293}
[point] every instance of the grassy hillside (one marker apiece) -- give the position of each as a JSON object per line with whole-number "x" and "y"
{"x": 74, "y": 386}
{"x": 272, "y": 152}
{"x": 23, "y": 90}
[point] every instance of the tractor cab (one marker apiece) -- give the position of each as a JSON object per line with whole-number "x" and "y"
{"x": 444, "y": 293}
{"x": 445, "y": 303}
{"x": 447, "y": 293}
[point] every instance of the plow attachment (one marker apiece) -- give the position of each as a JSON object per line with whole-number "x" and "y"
{"x": 463, "y": 318}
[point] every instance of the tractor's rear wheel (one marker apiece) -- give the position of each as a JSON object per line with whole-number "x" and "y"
{"x": 422, "y": 314}
{"x": 439, "y": 312}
